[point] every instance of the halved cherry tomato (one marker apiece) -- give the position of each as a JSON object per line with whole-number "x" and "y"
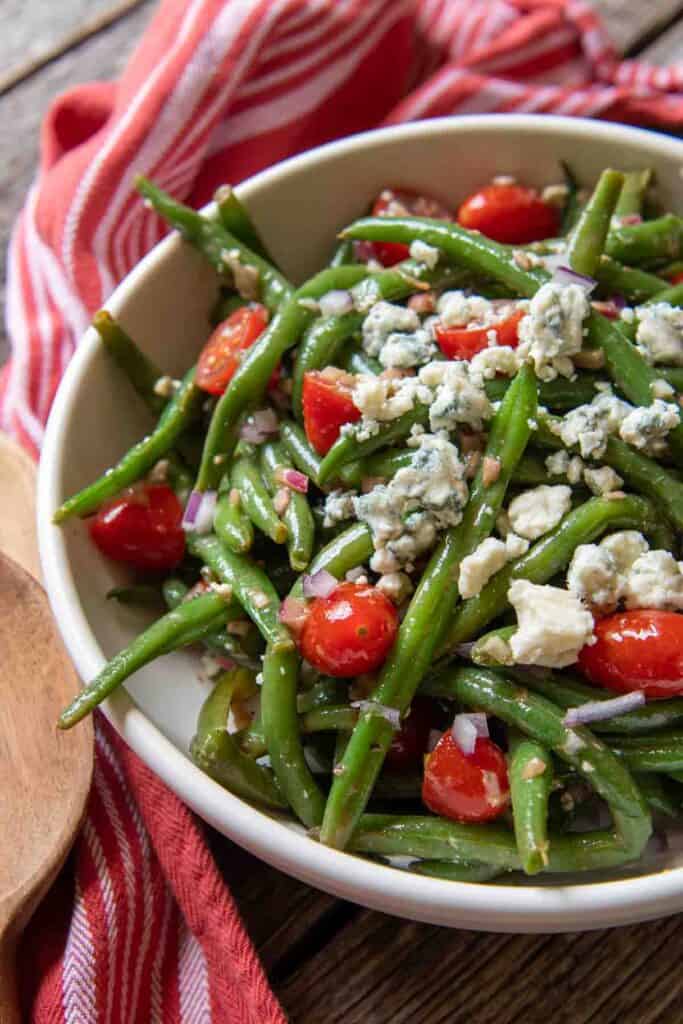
{"x": 222, "y": 353}
{"x": 327, "y": 406}
{"x": 466, "y": 787}
{"x": 141, "y": 527}
{"x": 410, "y": 742}
{"x": 676, "y": 278}
{"x": 397, "y": 203}
{"x": 509, "y": 213}
{"x": 465, "y": 342}
{"x": 637, "y": 650}
{"x": 349, "y": 632}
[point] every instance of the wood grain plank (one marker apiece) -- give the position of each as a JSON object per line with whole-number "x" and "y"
{"x": 629, "y": 21}
{"x": 668, "y": 48}
{"x": 37, "y": 32}
{"x": 379, "y": 970}
{"x": 98, "y": 58}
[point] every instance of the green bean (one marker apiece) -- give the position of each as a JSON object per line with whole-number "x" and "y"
{"x": 381, "y": 465}
{"x": 559, "y": 394}
{"x": 256, "y": 501}
{"x": 343, "y": 255}
{"x": 324, "y": 338}
{"x": 547, "y": 557}
{"x": 327, "y": 691}
{"x": 531, "y": 471}
{"x": 251, "y": 587}
{"x": 634, "y": 284}
{"x": 215, "y": 243}
{"x": 137, "y": 595}
{"x": 281, "y": 730}
{"x": 572, "y": 207}
{"x": 531, "y": 780}
{"x": 648, "y": 244}
{"x": 235, "y": 218}
{"x": 569, "y": 692}
{"x": 348, "y": 448}
{"x": 454, "y": 872}
{"x": 657, "y": 795}
{"x": 590, "y": 757}
{"x": 297, "y": 515}
{"x": 465, "y": 248}
{"x": 249, "y": 382}
{"x": 676, "y": 776}
{"x": 636, "y": 184}
{"x": 427, "y": 615}
{"x": 180, "y": 410}
{"x": 659, "y": 752}
{"x": 304, "y": 457}
{"x": 217, "y": 753}
{"x": 356, "y": 361}
{"x": 174, "y": 591}
{"x": 139, "y": 368}
{"x": 230, "y": 522}
{"x": 673, "y": 296}
{"x": 587, "y": 240}
{"x": 178, "y": 628}
{"x": 252, "y": 740}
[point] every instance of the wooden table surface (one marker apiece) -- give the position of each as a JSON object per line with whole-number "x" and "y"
{"x": 331, "y": 961}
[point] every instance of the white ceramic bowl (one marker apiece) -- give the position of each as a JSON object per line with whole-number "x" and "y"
{"x": 298, "y": 206}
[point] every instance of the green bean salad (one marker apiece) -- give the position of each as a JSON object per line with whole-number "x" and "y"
{"x": 421, "y": 515}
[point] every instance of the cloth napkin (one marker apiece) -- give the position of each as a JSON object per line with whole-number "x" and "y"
{"x": 141, "y": 927}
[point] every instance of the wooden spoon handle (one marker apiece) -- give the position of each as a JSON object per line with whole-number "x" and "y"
{"x": 10, "y": 1012}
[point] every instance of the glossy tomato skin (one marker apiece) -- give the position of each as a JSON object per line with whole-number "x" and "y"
{"x": 396, "y": 203}
{"x": 509, "y": 213}
{"x": 637, "y": 650}
{"x": 349, "y": 632}
{"x": 327, "y": 406}
{"x": 466, "y": 787}
{"x": 410, "y": 742}
{"x": 141, "y": 527}
{"x": 466, "y": 342}
{"x": 221, "y": 356}
{"x": 676, "y": 278}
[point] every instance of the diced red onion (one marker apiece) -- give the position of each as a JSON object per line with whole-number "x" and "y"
{"x": 294, "y": 479}
{"x": 355, "y": 574}
{"x": 336, "y": 303}
{"x": 293, "y": 614}
{"x": 320, "y": 584}
{"x": 226, "y": 663}
{"x": 631, "y": 218}
{"x": 565, "y": 275}
{"x": 199, "y": 511}
{"x": 392, "y": 715}
{"x": 599, "y": 710}
{"x": 467, "y": 728}
{"x": 258, "y": 427}
{"x": 618, "y": 301}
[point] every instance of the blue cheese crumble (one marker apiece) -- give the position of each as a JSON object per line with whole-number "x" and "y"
{"x": 659, "y": 336}
{"x": 552, "y": 331}
{"x": 394, "y": 335}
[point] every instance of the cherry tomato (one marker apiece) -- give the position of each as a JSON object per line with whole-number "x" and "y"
{"x": 410, "y": 742}
{"x": 141, "y": 527}
{"x": 327, "y": 405}
{"x": 676, "y": 278}
{"x": 349, "y": 632}
{"x": 222, "y": 353}
{"x": 637, "y": 650}
{"x": 509, "y": 213}
{"x": 398, "y": 203}
{"x": 466, "y": 787}
{"x": 465, "y": 342}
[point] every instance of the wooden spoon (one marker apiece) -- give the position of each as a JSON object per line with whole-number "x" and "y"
{"x": 45, "y": 774}
{"x": 18, "y": 510}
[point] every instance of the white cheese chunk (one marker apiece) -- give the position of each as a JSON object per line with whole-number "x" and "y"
{"x": 552, "y": 331}
{"x": 625, "y": 546}
{"x": 660, "y": 333}
{"x": 602, "y": 479}
{"x": 594, "y": 578}
{"x": 423, "y": 253}
{"x": 478, "y": 568}
{"x": 589, "y": 426}
{"x": 655, "y": 580}
{"x": 459, "y": 398}
{"x": 539, "y": 510}
{"x": 553, "y": 625}
{"x": 646, "y": 426}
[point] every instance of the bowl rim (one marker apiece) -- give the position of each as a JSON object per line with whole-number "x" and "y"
{"x": 498, "y": 907}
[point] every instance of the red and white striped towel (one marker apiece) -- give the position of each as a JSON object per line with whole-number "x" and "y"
{"x": 143, "y": 928}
